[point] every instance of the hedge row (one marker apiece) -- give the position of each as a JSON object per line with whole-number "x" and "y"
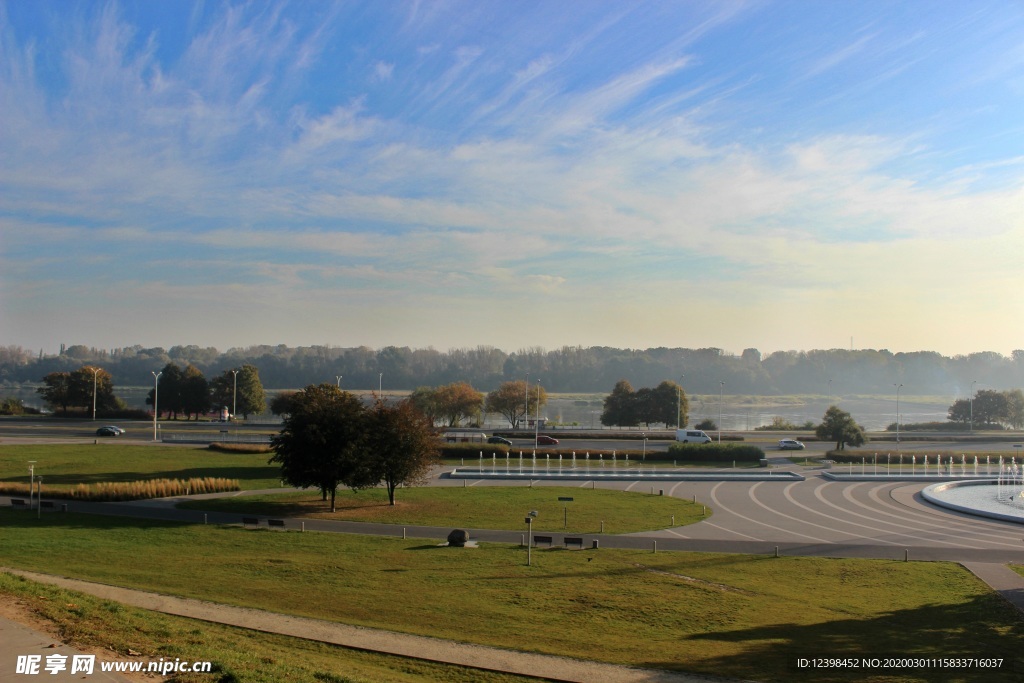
{"x": 711, "y": 452}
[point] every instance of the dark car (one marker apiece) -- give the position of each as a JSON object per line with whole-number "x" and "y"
{"x": 544, "y": 440}
{"x": 499, "y": 439}
{"x": 109, "y": 431}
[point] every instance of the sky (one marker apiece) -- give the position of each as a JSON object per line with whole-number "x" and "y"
{"x": 776, "y": 175}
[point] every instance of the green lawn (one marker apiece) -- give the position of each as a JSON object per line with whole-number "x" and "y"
{"x": 728, "y": 615}
{"x": 86, "y": 463}
{"x": 494, "y": 507}
{"x": 237, "y": 654}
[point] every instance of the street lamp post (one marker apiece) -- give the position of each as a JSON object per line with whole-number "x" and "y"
{"x": 380, "y": 385}
{"x": 31, "y": 481}
{"x": 526, "y": 406}
{"x": 95, "y": 371}
{"x": 972, "y": 405}
{"x": 898, "y": 387}
{"x": 536, "y": 421}
{"x": 234, "y": 396}
{"x": 679, "y": 402}
{"x": 721, "y": 389}
{"x": 829, "y": 394}
{"x": 156, "y": 393}
{"x": 338, "y": 377}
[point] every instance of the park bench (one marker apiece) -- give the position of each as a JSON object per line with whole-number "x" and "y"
{"x": 546, "y": 540}
{"x": 576, "y": 541}
{"x": 276, "y": 522}
{"x": 250, "y": 521}
{"x": 19, "y": 504}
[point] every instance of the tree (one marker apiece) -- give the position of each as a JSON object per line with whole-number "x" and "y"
{"x": 425, "y": 400}
{"x": 169, "y": 392}
{"x": 248, "y": 399}
{"x": 56, "y": 390}
{"x": 510, "y": 400}
{"x": 195, "y": 392}
{"x": 401, "y": 445}
{"x": 457, "y": 401}
{"x": 840, "y": 427}
{"x": 322, "y": 442}
{"x": 282, "y": 403}
{"x": 87, "y": 380}
{"x": 668, "y": 404}
{"x": 620, "y": 406}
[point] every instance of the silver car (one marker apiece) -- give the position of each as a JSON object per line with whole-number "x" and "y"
{"x": 790, "y": 445}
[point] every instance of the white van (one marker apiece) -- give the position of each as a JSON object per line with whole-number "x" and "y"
{"x": 692, "y": 436}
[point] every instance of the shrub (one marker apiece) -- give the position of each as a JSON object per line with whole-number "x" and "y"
{"x": 711, "y": 452}
{"x": 707, "y": 425}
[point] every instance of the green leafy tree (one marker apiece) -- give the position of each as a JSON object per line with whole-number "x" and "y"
{"x": 401, "y": 445}
{"x": 56, "y": 390}
{"x": 425, "y": 400}
{"x": 250, "y": 399}
{"x": 88, "y": 379}
{"x": 195, "y": 392}
{"x": 620, "y": 406}
{"x": 840, "y": 427}
{"x": 322, "y": 442}
{"x": 169, "y": 392}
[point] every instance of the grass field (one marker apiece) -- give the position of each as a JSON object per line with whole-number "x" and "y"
{"x": 237, "y": 654}
{"x": 86, "y": 463}
{"x": 728, "y": 615}
{"x": 617, "y": 512}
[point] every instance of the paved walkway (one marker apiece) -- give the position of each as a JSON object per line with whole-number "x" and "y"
{"x": 388, "y": 642}
{"x": 19, "y": 639}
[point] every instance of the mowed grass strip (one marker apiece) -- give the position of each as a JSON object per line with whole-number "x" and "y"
{"x": 87, "y": 463}
{"x": 236, "y": 654}
{"x": 737, "y": 616}
{"x": 497, "y": 507}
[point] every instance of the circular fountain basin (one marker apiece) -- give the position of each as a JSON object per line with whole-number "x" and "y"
{"x": 977, "y": 498}
{"x": 622, "y": 474}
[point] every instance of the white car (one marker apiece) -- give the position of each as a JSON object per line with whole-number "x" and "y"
{"x": 790, "y": 445}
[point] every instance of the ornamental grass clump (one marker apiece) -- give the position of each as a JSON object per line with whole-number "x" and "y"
{"x": 131, "y": 490}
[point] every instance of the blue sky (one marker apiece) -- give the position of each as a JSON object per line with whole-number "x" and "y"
{"x": 778, "y": 175}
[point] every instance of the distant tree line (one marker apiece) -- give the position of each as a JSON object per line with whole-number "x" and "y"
{"x": 567, "y": 369}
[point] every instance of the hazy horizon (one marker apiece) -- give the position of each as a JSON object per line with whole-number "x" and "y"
{"x": 776, "y": 175}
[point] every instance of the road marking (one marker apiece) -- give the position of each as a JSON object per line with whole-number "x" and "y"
{"x": 721, "y": 506}
{"x": 754, "y": 498}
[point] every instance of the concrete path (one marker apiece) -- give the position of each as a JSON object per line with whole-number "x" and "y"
{"x": 388, "y": 642}
{"x": 18, "y": 640}
{"x": 1001, "y": 579}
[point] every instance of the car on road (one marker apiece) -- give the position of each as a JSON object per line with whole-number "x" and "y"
{"x": 790, "y": 445}
{"x": 109, "y": 430}
{"x": 499, "y": 439}
{"x": 545, "y": 440}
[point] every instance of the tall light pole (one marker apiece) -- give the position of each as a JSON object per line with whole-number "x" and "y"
{"x": 536, "y": 422}
{"x": 380, "y": 385}
{"x": 95, "y": 372}
{"x": 31, "y": 481}
{"x": 972, "y": 405}
{"x": 526, "y": 406}
{"x": 829, "y": 394}
{"x": 898, "y": 387}
{"x": 339, "y": 380}
{"x": 721, "y": 389}
{"x": 679, "y": 402}
{"x": 156, "y": 391}
{"x": 234, "y": 395}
